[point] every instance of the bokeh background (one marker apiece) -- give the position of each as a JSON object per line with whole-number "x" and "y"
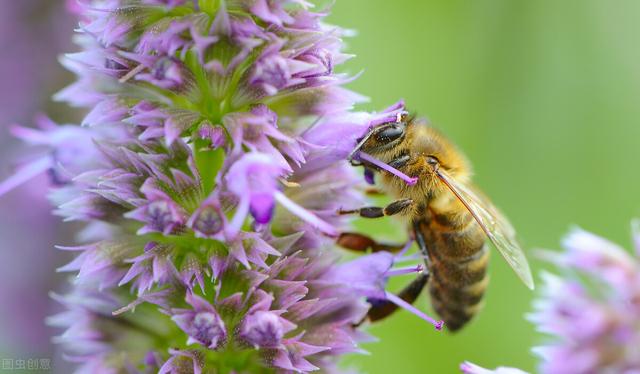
{"x": 32, "y": 34}
{"x": 542, "y": 97}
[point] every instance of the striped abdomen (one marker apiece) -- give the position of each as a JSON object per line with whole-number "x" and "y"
{"x": 458, "y": 263}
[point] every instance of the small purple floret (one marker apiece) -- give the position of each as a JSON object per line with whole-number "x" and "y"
{"x": 207, "y": 328}
{"x": 202, "y": 324}
{"x": 207, "y": 221}
{"x": 263, "y": 329}
{"x": 369, "y": 176}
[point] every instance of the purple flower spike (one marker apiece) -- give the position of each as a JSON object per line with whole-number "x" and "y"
{"x": 209, "y": 168}
{"x": 593, "y": 315}
{"x": 589, "y": 311}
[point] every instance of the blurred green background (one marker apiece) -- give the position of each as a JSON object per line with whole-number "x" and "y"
{"x": 543, "y": 98}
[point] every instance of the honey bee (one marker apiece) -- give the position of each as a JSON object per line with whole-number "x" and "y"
{"x": 447, "y": 216}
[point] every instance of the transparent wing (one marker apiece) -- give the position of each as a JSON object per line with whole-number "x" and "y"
{"x": 493, "y": 223}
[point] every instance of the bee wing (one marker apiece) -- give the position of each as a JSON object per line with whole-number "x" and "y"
{"x": 493, "y": 223}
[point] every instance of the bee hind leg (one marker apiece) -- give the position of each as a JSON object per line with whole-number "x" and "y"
{"x": 382, "y": 308}
{"x": 357, "y": 242}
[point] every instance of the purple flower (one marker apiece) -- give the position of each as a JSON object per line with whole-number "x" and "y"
{"x": 470, "y": 368}
{"x": 68, "y": 151}
{"x": 202, "y": 324}
{"x": 182, "y": 361}
{"x": 591, "y": 310}
{"x": 253, "y": 179}
{"x": 159, "y": 212}
{"x": 209, "y": 172}
{"x": 165, "y": 72}
{"x": 207, "y": 220}
{"x": 93, "y": 337}
{"x": 263, "y": 329}
{"x": 368, "y": 276}
{"x": 214, "y": 134}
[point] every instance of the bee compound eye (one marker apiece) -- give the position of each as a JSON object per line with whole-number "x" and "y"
{"x": 390, "y": 134}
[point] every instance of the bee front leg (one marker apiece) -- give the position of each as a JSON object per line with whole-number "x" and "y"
{"x": 398, "y": 206}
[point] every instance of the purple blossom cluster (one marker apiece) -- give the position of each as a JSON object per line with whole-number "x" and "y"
{"x": 206, "y": 174}
{"x": 471, "y": 368}
{"x": 589, "y": 312}
{"x": 592, "y": 310}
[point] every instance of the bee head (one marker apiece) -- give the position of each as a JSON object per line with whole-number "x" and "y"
{"x": 381, "y": 138}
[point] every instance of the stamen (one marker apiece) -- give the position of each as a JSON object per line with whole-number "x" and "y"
{"x": 305, "y": 215}
{"x": 407, "y": 270}
{"x": 404, "y": 249}
{"x": 286, "y": 183}
{"x": 132, "y": 73}
{"x": 238, "y": 219}
{"x": 409, "y": 180}
{"x": 405, "y": 305}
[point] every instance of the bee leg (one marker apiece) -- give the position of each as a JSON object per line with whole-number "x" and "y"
{"x": 422, "y": 244}
{"x": 381, "y": 308}
{"x": 362, "y": 243}
{"x": 393, "y": 208}
{"x": 372, "y": 191}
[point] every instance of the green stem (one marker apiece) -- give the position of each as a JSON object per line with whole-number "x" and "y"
{"x": 209, "y": 6}
{"x": 208, "y": 162}
{"x": 128, "y": 324}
